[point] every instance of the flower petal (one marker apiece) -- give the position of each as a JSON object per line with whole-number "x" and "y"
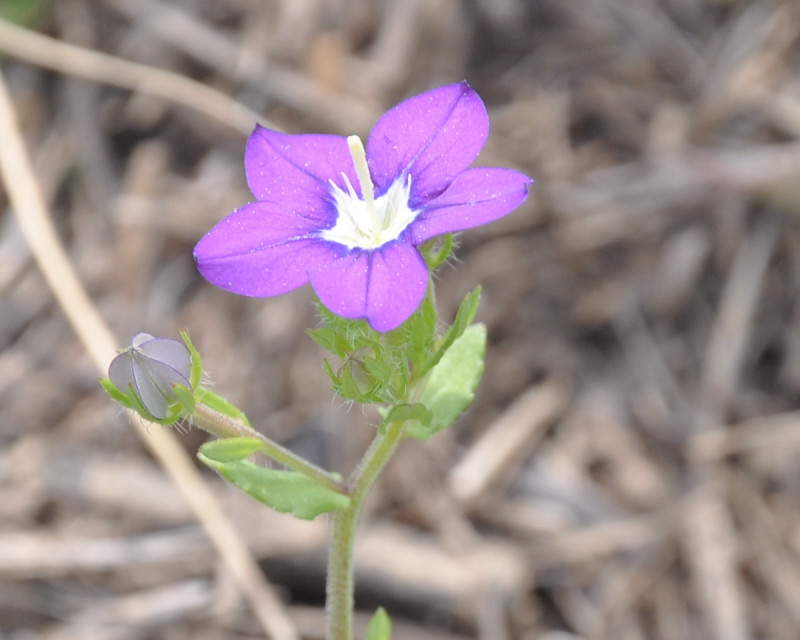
{"x": 260, "y": 250}
{"x": 397, "y": 284}
{"x": 154, "y": 380}
{"x": 149, "y": 393}
{"x": 171, "y": 353}
{"x": 296, "y": 168}
{"x": 384, "y": 286}
{"x": 341, "y": 282}
{"x": 140, "y": 338}
{"x": 120, "y": 371}
{"x": 433, "y": 136}
{"x": 475, "y": 197}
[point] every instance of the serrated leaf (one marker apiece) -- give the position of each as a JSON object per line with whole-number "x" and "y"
{"x": 380, "y": 626}
{"x": 285, "y": 491}
{"x": 451, "y": 385}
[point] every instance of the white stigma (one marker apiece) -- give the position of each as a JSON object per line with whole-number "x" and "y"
{"x": 370, "y": 222}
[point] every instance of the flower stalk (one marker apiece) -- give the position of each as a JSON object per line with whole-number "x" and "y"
{"x": 340, "y": 584}
{"x": 222, "y": 426}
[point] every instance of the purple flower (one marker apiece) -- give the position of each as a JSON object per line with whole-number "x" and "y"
{"x": 350, "y": 221}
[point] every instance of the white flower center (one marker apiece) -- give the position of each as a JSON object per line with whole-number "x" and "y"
{"x": 372, "y": 222}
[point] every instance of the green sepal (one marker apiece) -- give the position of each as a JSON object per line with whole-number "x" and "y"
{"x": 416, "y": 338}
{"x": 327, "y": 367}
{"x": 115, "y": 393}
{"x": 377, "y": 369}
{"x": 336, "y": 337}
{"x": 381, "y": 368}
{"x": 355, "y": 390}
{"x": 437, "y": 250}
{"x": 360, "y": 376}
{"x": 285, "y": 491}
{"x": 325, "y": 337}
{"x": 380, "y": 626}
{"x": 450, "y": 388}
{"x": 220, "y": 405}
{"x": 186, "y": 397}
{"x": 131, "y": 401}
{"x": 196, "y": 372}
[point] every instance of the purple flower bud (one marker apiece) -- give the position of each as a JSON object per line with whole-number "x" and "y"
{"x": 151, "y": 367}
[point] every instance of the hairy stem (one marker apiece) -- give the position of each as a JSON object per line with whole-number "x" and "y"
{"x": 343, "y": 531}
{"x": 222, "y": 426}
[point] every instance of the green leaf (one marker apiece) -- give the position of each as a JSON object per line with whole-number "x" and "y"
{"x": 451, "y": 385}
{"x": 464, "y": 316}
{"x": 284, "y": 491}
{"x": 230, "y": 449}
{"x": 131, "y": 401}
{"x": 380, "y": 626}
{"x": 437, "y": 250}
{"x": 220, "y": 405}
{"x": 467, "y": 310}
{"x": 406, "y": 412}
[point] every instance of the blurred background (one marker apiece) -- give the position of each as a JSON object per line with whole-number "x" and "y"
{"x": 629, "y": 469}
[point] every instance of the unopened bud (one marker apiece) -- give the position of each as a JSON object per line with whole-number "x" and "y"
{"x": 150, "y": 368}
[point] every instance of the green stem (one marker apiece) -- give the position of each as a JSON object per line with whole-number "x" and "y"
{"x": 222, "y": 426}
{"x": 339, "y": 603}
